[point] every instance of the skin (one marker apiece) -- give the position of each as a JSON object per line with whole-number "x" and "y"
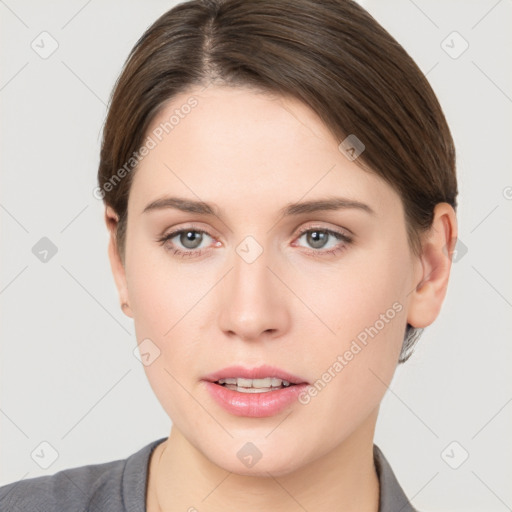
{"x": 251, "y": 153}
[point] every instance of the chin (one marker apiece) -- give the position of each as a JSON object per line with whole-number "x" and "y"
{"x": 263, "y": 462}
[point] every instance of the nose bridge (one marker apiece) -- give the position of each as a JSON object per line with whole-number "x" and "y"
{"x": 251, "y": 277}
{"x": 250, "y": 272}
{"x": 252, "y": 302}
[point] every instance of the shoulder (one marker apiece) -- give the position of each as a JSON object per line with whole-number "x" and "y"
{"x": 70, "y": 489}
{"x": 103, "y": 486}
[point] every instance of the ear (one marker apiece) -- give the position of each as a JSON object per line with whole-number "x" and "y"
{"x": 438, "y": 244}
{"x": 118, "y": 271}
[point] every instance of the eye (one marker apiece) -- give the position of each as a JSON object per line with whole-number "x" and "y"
{"x": 187, "y": 241}
{"x": 317, "y": 237}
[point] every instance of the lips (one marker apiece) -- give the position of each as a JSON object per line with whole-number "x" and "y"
{"x": 260, "y": 372}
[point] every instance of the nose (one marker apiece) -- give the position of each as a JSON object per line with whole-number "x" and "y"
{"x": 253, "y": 299}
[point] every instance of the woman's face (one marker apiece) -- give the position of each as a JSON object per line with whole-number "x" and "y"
{"x": 252, "y": 290}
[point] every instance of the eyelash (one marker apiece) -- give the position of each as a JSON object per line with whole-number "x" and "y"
{"x": 347, "y": 240}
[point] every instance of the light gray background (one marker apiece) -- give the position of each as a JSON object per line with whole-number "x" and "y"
{"x": 68, "y": 373}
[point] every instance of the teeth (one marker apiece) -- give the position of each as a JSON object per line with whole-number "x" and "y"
{"x": 250, "y": 390}
{"x": 266, "y": 383}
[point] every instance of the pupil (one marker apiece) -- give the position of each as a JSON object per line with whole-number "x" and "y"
{"x": 320, "y": 236}
{"x": 190, "y": 236}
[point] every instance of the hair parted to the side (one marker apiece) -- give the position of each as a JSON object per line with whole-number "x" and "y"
{"x": 330, "y": 54}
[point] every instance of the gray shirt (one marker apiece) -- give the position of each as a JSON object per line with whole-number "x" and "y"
{"x": 120, "y": 486}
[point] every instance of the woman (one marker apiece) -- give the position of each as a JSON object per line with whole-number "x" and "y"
{"x": 280, "y": 191}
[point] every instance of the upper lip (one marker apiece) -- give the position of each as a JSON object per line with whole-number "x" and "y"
{"x": 254, "y": 373}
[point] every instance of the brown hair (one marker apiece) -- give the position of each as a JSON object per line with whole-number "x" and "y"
{"x": 330, "y": 54}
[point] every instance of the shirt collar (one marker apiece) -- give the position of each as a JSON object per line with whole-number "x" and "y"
{"x": 392, "y": 497}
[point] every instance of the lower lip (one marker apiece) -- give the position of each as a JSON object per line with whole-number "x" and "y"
{"x": 255, "y": 405}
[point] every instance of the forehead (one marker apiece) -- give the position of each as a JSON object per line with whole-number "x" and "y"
{"x": 233, "y": 145}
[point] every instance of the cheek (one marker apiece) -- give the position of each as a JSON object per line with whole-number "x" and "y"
{"x": 364, "y": 307}
{"x": 156, "y": 294}
{"x": 368, "y": 289}
{"x": 160, "y": 303}
{"x": 356, "y": 364}
{"x": 166, "y": 300}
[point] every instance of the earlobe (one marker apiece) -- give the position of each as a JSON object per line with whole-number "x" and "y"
{"x": 435, "y": 265}
{"x": 116, "y": 265}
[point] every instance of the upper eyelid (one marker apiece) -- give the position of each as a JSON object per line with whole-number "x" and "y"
{"x": 325, "y": 228}
{"x": 299, "y": 229}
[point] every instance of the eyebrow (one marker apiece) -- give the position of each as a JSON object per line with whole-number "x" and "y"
{"x": 291, "y": 209}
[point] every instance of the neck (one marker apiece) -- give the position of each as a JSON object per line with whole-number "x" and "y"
{"x": 345, "y": 479}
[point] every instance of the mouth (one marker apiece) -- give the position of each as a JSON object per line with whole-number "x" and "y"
{"x": 254, "y": 385}
{"x": 254, "y": 380}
